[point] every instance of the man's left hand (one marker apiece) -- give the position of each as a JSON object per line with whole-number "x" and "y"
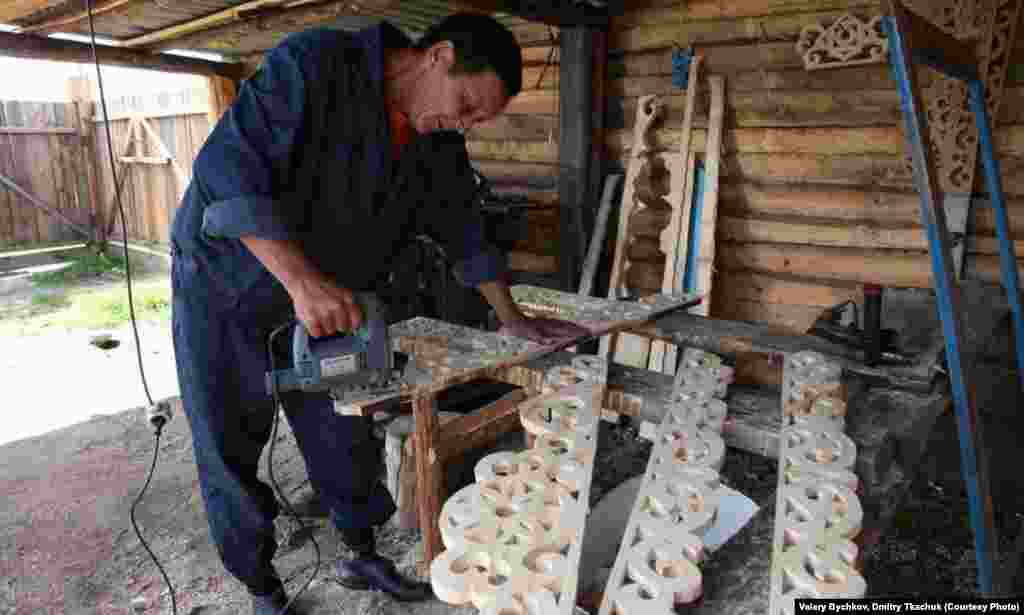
{"x": 544, "y": 331}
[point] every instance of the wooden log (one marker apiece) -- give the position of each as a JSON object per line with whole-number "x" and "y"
{"x": 698, "y": 10}
{"x": 823, "y": 141}
{"x": 530, "y": 102}
{"x": 516, "y": 127}
{"x": 842, "y": 234}
{"x": 533, "y": 263}
{"x": 784, "y": 27}
{"x": 542, "y": 152}
{"x": 518, "y": 174}
{"x": 900, "y": 268}
{"x": 760, "y": 287}
{"x": 866, "y": 205}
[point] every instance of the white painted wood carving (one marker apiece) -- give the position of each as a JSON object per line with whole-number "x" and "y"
{"x": 657, "y": 567}
{"x": 848, "y": 41}
{"x": 818, "y": 513}
{"x": 513, "y": 537}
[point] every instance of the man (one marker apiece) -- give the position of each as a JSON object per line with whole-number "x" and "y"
{"x": 339, "y": 149}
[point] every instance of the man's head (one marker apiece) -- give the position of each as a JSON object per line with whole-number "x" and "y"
{"x": 469, "y": 67}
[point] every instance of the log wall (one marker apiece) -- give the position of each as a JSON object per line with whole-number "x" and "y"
{"x": 816, "y": 198}
{"x": 518, "y": 151}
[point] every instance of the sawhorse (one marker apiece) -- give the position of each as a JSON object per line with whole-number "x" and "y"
{"x": 913, "y": 38}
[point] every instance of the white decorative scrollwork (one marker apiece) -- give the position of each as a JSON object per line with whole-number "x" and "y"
{"x": 849, "y": 41}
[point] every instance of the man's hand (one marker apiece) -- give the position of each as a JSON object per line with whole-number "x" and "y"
{"x": 544, "y": 331}
{"x": 323, "y": 307}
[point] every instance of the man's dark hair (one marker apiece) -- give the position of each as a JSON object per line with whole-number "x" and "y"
{"x": 481, "y": 43}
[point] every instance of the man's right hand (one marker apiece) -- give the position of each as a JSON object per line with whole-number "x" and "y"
{"x": 325, "y": 308}
{"x": 322, "y": 306}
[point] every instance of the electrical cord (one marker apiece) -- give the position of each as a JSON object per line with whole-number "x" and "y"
{"x": 270, "y": 465}
{"x": 157, "y": 420}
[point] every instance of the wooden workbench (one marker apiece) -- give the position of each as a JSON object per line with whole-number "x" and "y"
{"x": 891, "y": 408}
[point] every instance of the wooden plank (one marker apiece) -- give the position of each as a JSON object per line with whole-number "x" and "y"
{"x": 47, "y": 130}
{"x": 934, "y": 46}
{"x": 675, "y": 236}
{"x": 152, "y": 160}
{"x": 41, "y": 48}
{"x": 481, "y": 427}
{"x": 9, "y": 229}
{"x": 57, "y": 24}
{"x": 794, "y": 318}
{"x": 709, "y": 213}
{"x": 627, "y": 349}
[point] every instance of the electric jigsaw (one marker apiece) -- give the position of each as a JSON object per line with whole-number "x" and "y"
{"x": 351, "y": 366}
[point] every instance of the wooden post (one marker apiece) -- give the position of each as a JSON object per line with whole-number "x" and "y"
{"x": 574, "y": 148}
{"x": 223, "y": 92}
{"x": 429, "y": 478}
{"x": 79, "y": 90}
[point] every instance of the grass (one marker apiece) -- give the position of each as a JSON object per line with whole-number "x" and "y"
{"x": 82, "y": 267}
{"x": 81, "y": 306}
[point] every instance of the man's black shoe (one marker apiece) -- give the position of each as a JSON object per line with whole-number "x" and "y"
{"x": 270, "y": 604}
{"x": 376, "y": 572}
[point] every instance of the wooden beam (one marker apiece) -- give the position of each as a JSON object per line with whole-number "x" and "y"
{"x": 561, "y": 14}
{"x": 47, "y": 130}
{"x": 12, "y": 10}
{"x": 481, "y": 427}
{"x": 34, "y": 47}
{"x": 157, "y": 160}
{"x": 228, "y": 15}
{"x": 58, "y": 23}
{"x": 936, "y": 48}
{"x": 256, "y": 22}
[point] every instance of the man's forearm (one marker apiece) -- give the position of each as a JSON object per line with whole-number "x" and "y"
{"x": 498, "y": 295}
{"x": 283, "y": 258}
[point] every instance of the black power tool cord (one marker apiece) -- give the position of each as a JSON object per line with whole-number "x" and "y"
{"x": 158, "y": 421}
{"x": 270, "y": 467}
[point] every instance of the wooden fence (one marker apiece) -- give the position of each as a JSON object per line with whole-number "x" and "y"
{"x": 154, "y": 141}
{"x": 41, "y": 151}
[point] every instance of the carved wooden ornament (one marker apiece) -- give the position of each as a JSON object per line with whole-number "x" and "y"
{"x": 849, "y": 41}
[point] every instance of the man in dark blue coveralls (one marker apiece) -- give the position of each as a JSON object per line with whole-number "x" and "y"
{"x": 340, "y": 149}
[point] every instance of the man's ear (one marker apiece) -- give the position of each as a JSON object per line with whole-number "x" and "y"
{"x": 443, "y": 53}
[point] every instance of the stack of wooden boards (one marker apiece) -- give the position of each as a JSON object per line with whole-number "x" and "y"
{"x": 655, "y": 218}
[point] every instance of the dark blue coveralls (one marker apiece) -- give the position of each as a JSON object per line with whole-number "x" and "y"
{"x": 303, "y": 154}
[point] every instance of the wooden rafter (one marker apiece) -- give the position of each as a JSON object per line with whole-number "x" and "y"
{"x": 12, "y": 10}
{"x": 261, "y": 20}
{"x": 59, "y": 23}
{"x": 42, "y": 48}
{"x": 553, "y": 13}
{"x": 226, "y": 16}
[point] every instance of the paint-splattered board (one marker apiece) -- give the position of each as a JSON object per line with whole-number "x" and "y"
{"x": 467, "y": 354}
